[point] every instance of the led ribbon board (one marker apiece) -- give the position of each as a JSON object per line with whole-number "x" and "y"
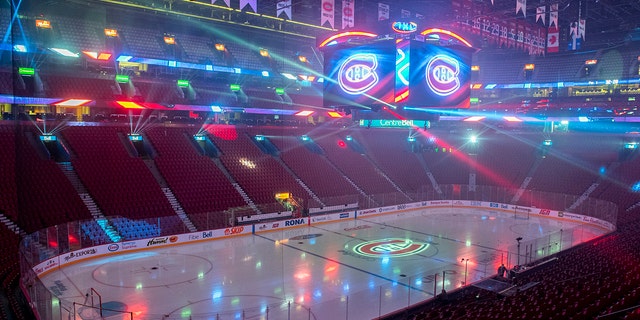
{"x": 395, "y": 123}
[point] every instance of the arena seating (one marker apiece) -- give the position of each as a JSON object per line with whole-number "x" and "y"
{"x": 195, "y": 180}
{"x": 597, "y": 278}
{"x": 120, "y": 184}
{"x": 39, "y": 177}
{"x": 8, "y": 187}
{"x": 258, "y": 173}
{"x": 453, "y": 163}
{"x": 594, "y": 279}
{"x": 99, "y": 156}
{"x": 354, "y": 164}
{"x": 78, "y": 88}
{"x": 326, "y": 182}
{"x": 508, "y": 156}
{"x": 395, "y": 157}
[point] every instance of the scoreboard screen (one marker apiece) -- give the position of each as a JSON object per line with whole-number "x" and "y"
{"x": 439, "y": 76}
{"x": 360, "y": 75}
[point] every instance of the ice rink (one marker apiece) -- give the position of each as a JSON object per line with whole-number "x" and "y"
{"x": 355, "y": 269}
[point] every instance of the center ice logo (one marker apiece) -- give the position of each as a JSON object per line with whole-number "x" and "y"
{"x": 442, "y": 75}
{"x": 357, "y": 73}
{"x": 393, "y": 247}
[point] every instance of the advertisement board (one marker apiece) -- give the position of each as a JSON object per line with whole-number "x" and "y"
{"x": 283, "y": 224}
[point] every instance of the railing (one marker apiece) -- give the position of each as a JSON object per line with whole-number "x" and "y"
{"x": 404, "y": 292}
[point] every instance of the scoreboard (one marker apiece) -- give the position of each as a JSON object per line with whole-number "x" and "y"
{"x": 439, "y": 76}
{"x": 362, "y": 74}
{"x": 400, "y": 73}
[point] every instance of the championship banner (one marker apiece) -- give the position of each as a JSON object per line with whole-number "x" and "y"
{"x": 327, "y": 14}
{"x": 347, "y": 13}
{"x": 284, "y": 7}
{"x": 573, "y": 29}
{"x": 553, "y": 15}
{"x": 541, "y": 14}
{"x": 521, "y": 5}
{"x": 226, "y": 2}
{"x": 383, "y": 11}
{"x": 253, "y": 4}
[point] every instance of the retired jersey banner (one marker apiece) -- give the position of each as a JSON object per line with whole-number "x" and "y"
{"x": 348, "y": 9}
{"x": 327, "y": 13}
{"x": 253, "y": 4}
{"x": 383, "y": 11}
{"x": 284, "y": 7}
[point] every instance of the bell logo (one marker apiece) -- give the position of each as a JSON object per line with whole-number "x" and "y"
{"x": 442, "y": 75}
{"x": 357, "y": 73}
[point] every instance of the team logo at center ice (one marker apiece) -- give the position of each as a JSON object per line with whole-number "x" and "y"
{"x": 393, "y": 247}
{"x": 442, "y": 75}
{"x": 357, "y": 73}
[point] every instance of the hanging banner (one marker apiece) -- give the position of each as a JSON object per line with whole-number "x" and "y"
{"x": 553, "y": 36}
{"x": 347, "y": 13}
{"x": 521, "y": 5}
{"x": 576, "y": 41}
{"x": 284, "y": 7}
{"x": 383, "y": 11}
{"x": 541, "y": 14}
{"x": 253, "y": 4}
{"x": 504, "y": 35}
{"x": 582, "y": 26}
{"x": 553, "y": 15}
{"x": 226, "y": 2}
{"x": 405, "y": 14}
{"x": 327, "y": 15}
{"x": 512, "y": 36}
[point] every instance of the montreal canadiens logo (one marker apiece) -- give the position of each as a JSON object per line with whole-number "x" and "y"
{"x": 442, "y": 75}
{"x": 357, "y": 73}
{"x": 389, "y": 247}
